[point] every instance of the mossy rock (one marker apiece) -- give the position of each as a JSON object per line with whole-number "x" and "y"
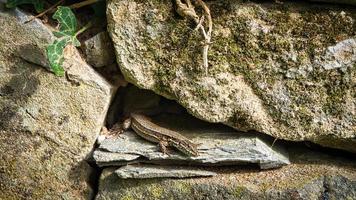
{"x": 287, "y": 70}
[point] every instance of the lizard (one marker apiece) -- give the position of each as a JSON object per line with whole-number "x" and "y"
{"x": 143, "y": 126}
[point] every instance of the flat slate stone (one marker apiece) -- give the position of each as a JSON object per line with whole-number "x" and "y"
{"x": 217, "y": 146}
{"x": 312, "y": 175}
{"x": 156, "y": 171}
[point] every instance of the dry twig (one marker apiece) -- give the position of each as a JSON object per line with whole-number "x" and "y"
{"x": 187, "y": 10}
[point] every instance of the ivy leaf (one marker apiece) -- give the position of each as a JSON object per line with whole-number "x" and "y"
{"x": 75, "y": 42}
{"x": 66, "y": 35}
{"x": 59, "y": 34}
{"x": 55, "y": 55}
{"x": 66, "y": 18}
{"x": 38, "y": 4}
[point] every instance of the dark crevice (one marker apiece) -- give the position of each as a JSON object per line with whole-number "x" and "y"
{"x": 325, "y": 194}
{"x": 329, "y": 151}
{"x": 94, "y": 178}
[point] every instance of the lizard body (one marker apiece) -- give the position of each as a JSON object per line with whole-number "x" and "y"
{"x": 164, "y": 137}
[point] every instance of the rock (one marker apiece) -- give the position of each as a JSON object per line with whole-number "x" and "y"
{"x": 217, "y": 146}
{"x": 310, "y": 176}
{"x": 155, "y": 171}
{"x": 48, "y": 124}
{"x": 286, "y": 70}
{"x": 99, "y": 50}
{"x": 33, "y": 49}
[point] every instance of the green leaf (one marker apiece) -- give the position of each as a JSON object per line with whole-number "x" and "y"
{"x": 38, "y": 4}
{"x": 75, "y": 42}
{"x": 55, "y": 55}
{"x": 66, "y": 18}
{"x": 66, "y": 34}
{"x": 59, "y": 34}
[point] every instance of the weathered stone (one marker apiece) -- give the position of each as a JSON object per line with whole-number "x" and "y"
{"x": 156, "y": 171}
{"x": 287, "y": 70}
{"x": 33, "y": 51}
{"x": 48, "y": 124}
{"x": 99, "y": 50}
{"x": 217, "y": 146}
{"x": 310, "y": 176}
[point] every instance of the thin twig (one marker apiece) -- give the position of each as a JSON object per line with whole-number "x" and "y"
{"x": 207, "y": 36}
{"x": 187, "y": 10}
{"x": 44, "y": 12}
{"x": 83, "y": 3}
{"x": 274, "y": 141}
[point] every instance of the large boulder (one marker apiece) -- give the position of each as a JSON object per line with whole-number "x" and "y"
{"x": 48, "y": 124}
{"x": 287, "y": 70}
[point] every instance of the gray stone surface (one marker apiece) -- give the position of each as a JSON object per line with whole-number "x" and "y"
{"x": 217, "y": 146}
{"x": 48, "y": 124}
{"x": 311, "y": 175}
{"x": 99, "y": 50}
{"x": 287, "y": 70}
{"x": 157, "y": 171}
{"x": 33, "y": 50}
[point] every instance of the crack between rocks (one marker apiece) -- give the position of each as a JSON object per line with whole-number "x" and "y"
{"x": 325, "y": 192}
{"x": 94, "y": 178}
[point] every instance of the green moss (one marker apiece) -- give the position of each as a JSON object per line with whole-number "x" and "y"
{"x": 156, "y": 191}
{"x": 183, "y": 187}
{"x": 250, "y": 53}
{"x": 239, "y": 191}
{"x": 127, "y": 197}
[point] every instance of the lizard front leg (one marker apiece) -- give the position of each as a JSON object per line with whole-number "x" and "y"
{"x": 119, "y": 128}
{"x": 126, "y": 124}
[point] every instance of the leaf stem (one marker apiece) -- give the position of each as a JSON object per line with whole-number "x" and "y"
{"x": 88, "y": 25}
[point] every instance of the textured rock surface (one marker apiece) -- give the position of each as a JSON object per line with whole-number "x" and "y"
{"x": 218, "y": 146}
{"x": 48, "y": 124}
{"x": 99, "y": 50}
{"x": 156, "y": 171}
{"x": 311, "y": 176}
{"x": 287, "y": 70}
